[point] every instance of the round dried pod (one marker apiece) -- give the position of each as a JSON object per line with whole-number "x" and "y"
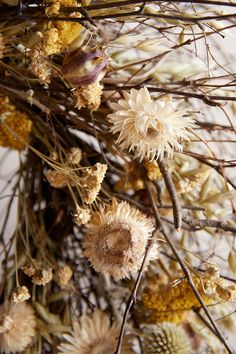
{"x": 166, "y": 338}
{"x": 116, "y": 240}
{"x": 83, "y": 68}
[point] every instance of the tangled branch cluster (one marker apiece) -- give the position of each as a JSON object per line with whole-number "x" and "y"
{"x": 121, "y": 115}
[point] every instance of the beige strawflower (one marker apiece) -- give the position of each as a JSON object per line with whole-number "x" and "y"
{"x": 116, "y": 240}
{"x": 94, "y": 335}
{"x": 17, "y": 327}
{"x": 149, "y": 128}
{"x": 166, "y": 338}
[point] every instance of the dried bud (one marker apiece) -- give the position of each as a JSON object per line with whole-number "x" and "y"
{"x": 63, "y": 275}
{"x": 81, "y": 68}
{"x": 20, "y": 294}
{"x": 75, "y": 155}
{"x": 42, "y": 276}
{"x": 82, "y": 215}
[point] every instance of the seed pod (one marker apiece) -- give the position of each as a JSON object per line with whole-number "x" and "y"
{"x": 81, "y": 68}
{"x": 232, "y": 260}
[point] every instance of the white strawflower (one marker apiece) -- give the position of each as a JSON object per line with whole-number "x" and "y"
{"x": 149, "y": 128}
{"x": 94, "y": 335}
{"x": 17, "y": 327}
{"x": 116, "y": 240}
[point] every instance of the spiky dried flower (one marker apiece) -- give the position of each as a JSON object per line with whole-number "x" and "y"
{"x": 93, "y": 335}
{"x": 116, "y": 240}
{"x": 166, "y": 338}
{"x": 149, "y": 128}
{"x": 20, "y": 294}
{"x": 17, "y": 327}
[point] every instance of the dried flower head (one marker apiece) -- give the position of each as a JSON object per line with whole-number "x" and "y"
{"x": 166, "y": 338}
{"x": 91, "y": 180}
{"x": 58, "y": 179}
{"x": 149, "y": 128}
{"x": 82, "y": 215}
{"x": 172, "y": 302}
{"x": 15, "y": 126}
{"x": 75, "y": 155}
{"x": 63, "y": 275}
{"x": 94, "y": 335}
{"x": 42, "y": 276}
{"x": 39, "y": 65}
{"x": 88, "y": 96}
{"x": 116, "y": 239}
{"x": 20, "y": 294}
{"x": 17, "y": 327}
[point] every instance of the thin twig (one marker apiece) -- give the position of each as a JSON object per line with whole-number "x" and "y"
{"x": 177, "y": 209}
{"x": 132, "y": 297}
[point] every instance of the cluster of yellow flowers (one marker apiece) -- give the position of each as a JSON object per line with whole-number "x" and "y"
{"x": 15, "y": 126}
{"x": 54, "y": 37}
{"x": 172, "y": 302}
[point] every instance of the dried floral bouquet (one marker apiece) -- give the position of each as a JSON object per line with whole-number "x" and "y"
{"x": 122, "y": 114}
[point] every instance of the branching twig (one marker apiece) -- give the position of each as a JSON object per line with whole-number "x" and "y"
{"x": 186, "y": 271}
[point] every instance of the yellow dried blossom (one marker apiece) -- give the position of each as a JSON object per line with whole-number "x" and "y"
{"x": 17, "y": 327}
{"x": 91, "y": 180}
{"x": 20, "y": 294}
{"x": 153, "y": 171}
{"x": 63, "y": 275}
{"x": 59, "y": 34}
{"x": 171, "y": 302}
{"x": 15, "y": 126}
{"x": 89, "y": 96}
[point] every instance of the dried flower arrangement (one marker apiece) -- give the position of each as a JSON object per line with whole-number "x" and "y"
{"x": 121, "y": 115}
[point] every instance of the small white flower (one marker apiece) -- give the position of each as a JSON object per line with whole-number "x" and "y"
{"x": 149, "y": 128}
